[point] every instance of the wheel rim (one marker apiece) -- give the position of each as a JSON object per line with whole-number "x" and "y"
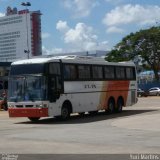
{"x": 119, "y": 106}
{"x": 65, "y": 113}
{"x": 111, "y": 107}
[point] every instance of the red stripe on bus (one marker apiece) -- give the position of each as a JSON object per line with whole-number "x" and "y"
{"x": 114, "y": 89}
{"x": 28, "y": 112}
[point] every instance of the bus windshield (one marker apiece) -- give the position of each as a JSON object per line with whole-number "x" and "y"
{"x": 27, "y": 88}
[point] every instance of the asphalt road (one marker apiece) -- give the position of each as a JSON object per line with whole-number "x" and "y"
{"x": 134, "y": 131}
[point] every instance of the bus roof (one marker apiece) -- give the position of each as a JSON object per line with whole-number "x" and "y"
{"x": 71, "y": 59}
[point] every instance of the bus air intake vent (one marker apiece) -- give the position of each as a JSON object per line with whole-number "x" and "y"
{"x": 29, "y": 106}
{"x": 19, "y": 106}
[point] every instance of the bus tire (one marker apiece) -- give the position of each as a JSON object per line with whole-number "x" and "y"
{"x": 34, "y": 119}
{"x": 111, "y": 106}
{"x": 81, "y": 113}
{"x": 120, "y": 104}
{"x": 93, "y": 112}
{"x": 65, "y": 112}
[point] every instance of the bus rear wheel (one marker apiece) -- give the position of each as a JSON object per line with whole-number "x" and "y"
{"x": 119, "y": 107}
{"x": 33, "y": 119}
{"x": 111, "y": 106}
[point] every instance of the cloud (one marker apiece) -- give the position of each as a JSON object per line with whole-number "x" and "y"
{"x": 114, "y": 29}
{"x": 128, "y": 14}
{"x": 80, "y": 8}
{"x": 81, "y": 32}
{"x": 2, "y": 14}
{"x": 62, "y": 26}
{"x": 115, "y": 2}
{"x": 45, "y": 35}
{"x": 81, "y": 37}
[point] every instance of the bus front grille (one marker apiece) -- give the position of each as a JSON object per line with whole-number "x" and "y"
{"x": 19, "y": 106}
{"x": 29, "y": 106}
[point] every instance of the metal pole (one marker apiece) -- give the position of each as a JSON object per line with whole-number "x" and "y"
{"x": 26, "y": 4}
{"x": 27, "y": 35}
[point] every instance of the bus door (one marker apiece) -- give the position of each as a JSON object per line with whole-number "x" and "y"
{"x": 55, "y": 82}
{"x": 55, "y": 88}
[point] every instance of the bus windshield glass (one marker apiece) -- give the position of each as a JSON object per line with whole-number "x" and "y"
{"x": 27, "y": 88}
{"x": 27, "y": 69}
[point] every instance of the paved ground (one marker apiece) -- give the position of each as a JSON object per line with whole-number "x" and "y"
{"x": 136, "y": 130}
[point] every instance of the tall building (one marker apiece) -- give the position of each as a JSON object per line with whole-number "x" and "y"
{"x": 20, "y": 35}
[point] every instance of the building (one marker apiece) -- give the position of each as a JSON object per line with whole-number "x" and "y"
{"x": 20, "y": 35}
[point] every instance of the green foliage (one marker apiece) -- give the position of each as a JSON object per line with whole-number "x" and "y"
{"x": 145, "y": 43}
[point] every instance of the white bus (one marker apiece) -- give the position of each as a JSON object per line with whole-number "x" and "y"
{"x": 59, "y": 86}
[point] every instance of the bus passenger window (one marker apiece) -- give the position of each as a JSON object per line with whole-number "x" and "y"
{"x": 97, "y": 72}
{"x": 120, "y": 72}
{"x": 54, "y": 68}
{"x": 109, "y": 72}
{"x": 84, "y": 72}
{"x": 130, "y": 73}
{"x": 70, "y": 72}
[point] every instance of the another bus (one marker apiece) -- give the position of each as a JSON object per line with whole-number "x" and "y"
{"x": 62, "y": 85}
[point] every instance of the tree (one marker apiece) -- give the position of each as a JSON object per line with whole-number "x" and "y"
{"x": 145, "y": 43}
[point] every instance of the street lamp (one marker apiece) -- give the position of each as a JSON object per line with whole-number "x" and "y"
{"x": 26, "y": 4}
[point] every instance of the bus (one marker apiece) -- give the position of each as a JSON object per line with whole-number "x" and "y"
{"x": 61, "y": 85}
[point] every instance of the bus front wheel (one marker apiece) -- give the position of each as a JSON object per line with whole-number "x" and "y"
{"x": 81, "y": 113}
{"x": 65, "y": 113}
{"x": 93, "y": 112}
{"x": 33, "y": 119}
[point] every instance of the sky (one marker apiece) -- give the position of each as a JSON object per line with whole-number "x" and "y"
{"x": 86, "y": 25}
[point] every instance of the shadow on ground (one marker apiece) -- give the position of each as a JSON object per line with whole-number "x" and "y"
{"x": 87, "y": 118}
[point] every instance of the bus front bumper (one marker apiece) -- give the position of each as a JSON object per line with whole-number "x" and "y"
{"x": 28, "y": 112}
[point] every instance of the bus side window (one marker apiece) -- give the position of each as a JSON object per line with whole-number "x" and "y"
{"x": 97, "y": 72}
{"x": 54, "y": 68}
{"x": 70, "y": 72}
{"x": 84, "y": 72}
{"x": 109, "y": 72}
{"x": 120, "y": 72}
{"x": 130, "y": 73}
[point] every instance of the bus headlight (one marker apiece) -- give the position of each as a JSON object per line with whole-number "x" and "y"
{"x": 41, "y": 106}
{"x": 11, "y": 106}
{"x": 45, "y": 105}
